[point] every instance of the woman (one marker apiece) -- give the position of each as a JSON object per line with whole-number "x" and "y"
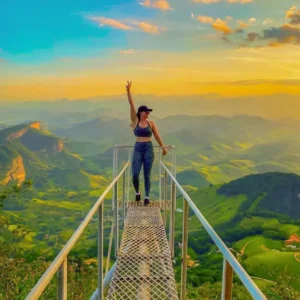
{"x": 143, "y": 150}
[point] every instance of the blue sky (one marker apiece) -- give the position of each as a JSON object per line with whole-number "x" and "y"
{"x": 47, "y": 38}
{"x": 35, "y": 29}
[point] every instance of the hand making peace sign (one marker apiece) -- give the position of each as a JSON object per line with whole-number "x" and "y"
{"x": 128, "y": 86}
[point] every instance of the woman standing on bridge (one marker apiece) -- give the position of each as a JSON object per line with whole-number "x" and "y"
{"x": 143, "y": 153}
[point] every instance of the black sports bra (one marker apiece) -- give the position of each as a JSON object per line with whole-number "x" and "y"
{"x": 142, "y": 132}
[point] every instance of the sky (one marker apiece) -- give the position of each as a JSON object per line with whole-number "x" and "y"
{"x": 83, "y": 48}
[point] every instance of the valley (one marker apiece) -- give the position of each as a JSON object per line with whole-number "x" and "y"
{"x": 242, "y": 172}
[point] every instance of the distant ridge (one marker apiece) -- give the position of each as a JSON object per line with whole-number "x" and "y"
{"x": 278, "y": 192}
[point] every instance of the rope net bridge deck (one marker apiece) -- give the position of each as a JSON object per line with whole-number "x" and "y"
{"x": 143, "y": 267}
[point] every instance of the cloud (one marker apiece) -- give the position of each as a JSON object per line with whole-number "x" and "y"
{"x": 242, "y": 24}
{"x": 161, "y": 69}
{"x": 144, "y": 26}
{"x": 220, "y": 25}
{"x": 159, "y": 4}
{"x": 228, "y": 1}
{"x": 288, "y": 33}
{"x": 294, "y": 15}
{"x": 250, "y": 49}
{"x": 226, "y": 39}
{"x": 252, "y": 36}
{"x": 276, "y": 37}
{"x": 129, "y": 51}
{"x": 239, "y": 1}
{"x": 150, "y": 28}
{"x": 285, "y": 34}
{"x": 248, "y": 59}
{"x": 206, "y": 1}
{"x": 101, "y": 21}
{"x": 287, "y": 82}
{"x": 267, "y": 21}
{"x": 205, "y": 19}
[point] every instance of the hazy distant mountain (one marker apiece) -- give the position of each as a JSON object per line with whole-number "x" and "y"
{"x": 103, "y": 130}
{"x": 280, "y": 106}
{"x": 180, "y": 130}
{"x": 217, "y": 148}
{"x": 241, "y": 128}
{"x": 201, "y": 141}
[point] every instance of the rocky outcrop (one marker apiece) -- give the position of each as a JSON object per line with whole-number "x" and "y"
{"x": 19, "y": 133}
{"x": 58, "y": 147}
{"x": 36, "y": 125}
{"x": 16, "y": 172}
{"x": 16, "y": 134}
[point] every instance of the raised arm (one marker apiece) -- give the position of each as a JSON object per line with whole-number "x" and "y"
{"x": 133, "y": 115}
{"x": 158, "y": 138}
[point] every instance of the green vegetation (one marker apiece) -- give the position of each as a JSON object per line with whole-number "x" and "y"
{"x": 254, "y": 234}
{"x": 272, "y": 188}
{"x": 254, "y": 215}
{"x": 191, "y": 177}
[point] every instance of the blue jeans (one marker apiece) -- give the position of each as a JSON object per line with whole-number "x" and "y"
{"x": 143, "y": 154}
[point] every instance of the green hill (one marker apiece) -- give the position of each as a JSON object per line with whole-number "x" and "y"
{"x": 191, "y": 177}
{"x": 280, "y": 192}
{"x": 255, "y": 216}
{"x": 28, "y": 151}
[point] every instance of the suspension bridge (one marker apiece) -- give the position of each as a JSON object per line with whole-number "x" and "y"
{"x": 143, "y": 268}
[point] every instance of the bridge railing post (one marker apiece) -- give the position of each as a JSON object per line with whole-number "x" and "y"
{"x": 116, "y": 218}
{"x": 114, "y": 174}
{"x": 174, "y": 170}
{"x": 123, "y": 199}
{"x": 227, "y": 281}
{"x": 165, "y": 198}
{"x": 172, "y": 220}
{"x": 100, "y": 252}
{"x": 159, "y": 175}
{"x": 184, "y": 249}
{"x": 62, "y": 276}
{"x": 128, "y": 175}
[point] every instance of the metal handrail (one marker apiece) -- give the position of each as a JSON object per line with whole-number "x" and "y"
{"x": 61, "y": 257}
{"x": 132, "y": 146}
{"x": 60, "y": 263}
{"x": 106, "y": 282}
{"x": 228, "y": 256}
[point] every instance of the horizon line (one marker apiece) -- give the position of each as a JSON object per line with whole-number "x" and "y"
{"x": 90, "y": 98}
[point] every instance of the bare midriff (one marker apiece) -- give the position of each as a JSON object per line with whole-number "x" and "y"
{"x": 143, "y": 139}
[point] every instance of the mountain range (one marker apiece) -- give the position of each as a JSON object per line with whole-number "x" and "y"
{"x": 218, "y": 149}
{"x": 64, "y": 110}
